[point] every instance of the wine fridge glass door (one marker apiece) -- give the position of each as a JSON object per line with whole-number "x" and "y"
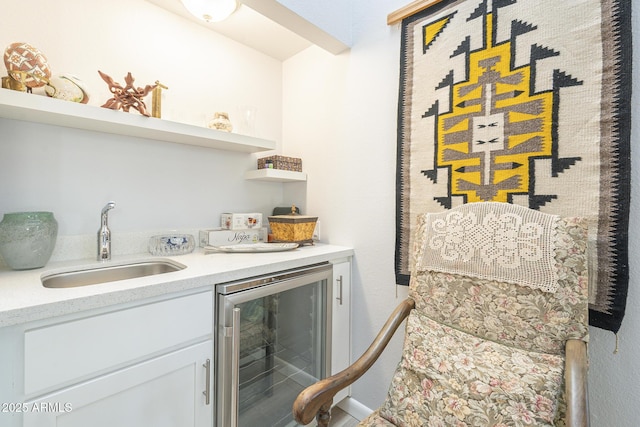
{"x": 273, "y": 345}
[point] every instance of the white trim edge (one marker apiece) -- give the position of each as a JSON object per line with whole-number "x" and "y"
{"x": 354, "y": 408}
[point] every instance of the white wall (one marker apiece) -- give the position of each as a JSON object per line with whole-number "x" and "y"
{"x": 340, "y": 117}
{"x": 157, "y": 186}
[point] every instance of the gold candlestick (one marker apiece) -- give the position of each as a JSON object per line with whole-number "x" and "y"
{"x": 156, "y": 100}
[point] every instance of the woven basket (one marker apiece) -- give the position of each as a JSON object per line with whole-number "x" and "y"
{"x": 282, "y": 163}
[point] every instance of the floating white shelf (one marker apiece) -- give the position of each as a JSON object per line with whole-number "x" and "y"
{"x": 42, "y": 109}
{"x": 275, "y": 175}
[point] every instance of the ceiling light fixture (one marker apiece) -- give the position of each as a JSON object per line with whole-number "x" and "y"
{"x": 210, "y": 10}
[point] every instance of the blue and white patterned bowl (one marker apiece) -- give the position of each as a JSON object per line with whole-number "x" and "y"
{"x": 172, "y": 244}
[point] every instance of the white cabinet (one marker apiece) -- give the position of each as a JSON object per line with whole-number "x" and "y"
{"x": 167, "y": 391}
{"x": 148, "y": 363}
{"x": 341, "y": 323}
{"x": 81, "y": 348}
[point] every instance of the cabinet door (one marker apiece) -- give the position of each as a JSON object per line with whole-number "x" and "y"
{"x": 341, "y": 323}
{"x": 167, "y": 391}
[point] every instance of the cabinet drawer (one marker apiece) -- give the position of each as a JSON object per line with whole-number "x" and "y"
{"x": 65, "y": 352}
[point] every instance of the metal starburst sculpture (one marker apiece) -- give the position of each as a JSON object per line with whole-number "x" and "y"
{"x": 128, "y": 96}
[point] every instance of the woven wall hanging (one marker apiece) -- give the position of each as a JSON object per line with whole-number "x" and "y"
{"x": 524, "y": 102}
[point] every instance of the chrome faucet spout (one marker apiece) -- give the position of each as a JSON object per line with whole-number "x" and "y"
{"x": 108, "y": 207}
{"x": 104, "y": 234}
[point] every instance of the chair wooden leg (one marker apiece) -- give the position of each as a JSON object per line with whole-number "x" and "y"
{"x": 324, "y": 414}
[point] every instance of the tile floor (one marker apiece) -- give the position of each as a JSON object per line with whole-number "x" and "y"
{"x": 339, "y": 418}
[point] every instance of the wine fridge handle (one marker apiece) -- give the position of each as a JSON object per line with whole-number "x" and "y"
{"x": 235, "y": 366}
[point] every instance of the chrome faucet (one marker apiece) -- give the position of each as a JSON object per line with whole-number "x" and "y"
{"x": 104, "y": 234}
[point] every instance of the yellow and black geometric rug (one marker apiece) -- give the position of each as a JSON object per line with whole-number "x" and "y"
{"x": 524, "y": 102}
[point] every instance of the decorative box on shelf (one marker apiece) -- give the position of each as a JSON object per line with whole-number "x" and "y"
{"x": 280, "y": 162}
{"x": 240, "y": 221}
{"x": 293, "y": 228}
{"x": 221, "y": 237}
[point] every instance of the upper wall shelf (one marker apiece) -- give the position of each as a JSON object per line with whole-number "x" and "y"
{"x": 42, "y": 109}
{"x": 276, "y": 175}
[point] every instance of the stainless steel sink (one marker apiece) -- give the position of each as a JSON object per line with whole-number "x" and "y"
{"x": 110, "y": 273}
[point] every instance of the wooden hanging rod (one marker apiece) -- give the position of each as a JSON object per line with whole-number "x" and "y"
{"x": 412, "y": 8}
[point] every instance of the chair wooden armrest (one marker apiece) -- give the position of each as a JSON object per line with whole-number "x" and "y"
{"x": 315, "y": 400}
{"x": 575, "y": 377}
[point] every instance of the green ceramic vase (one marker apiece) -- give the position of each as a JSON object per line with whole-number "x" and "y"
{"x": 27, "y": 239}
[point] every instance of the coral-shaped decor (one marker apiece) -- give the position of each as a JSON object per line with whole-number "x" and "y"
{"x": 128, "y": 96}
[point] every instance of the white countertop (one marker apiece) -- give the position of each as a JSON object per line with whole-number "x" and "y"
{"x": 24, "y": 299}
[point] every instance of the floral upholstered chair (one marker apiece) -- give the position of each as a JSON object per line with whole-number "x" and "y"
{"x": 497, "y": 324}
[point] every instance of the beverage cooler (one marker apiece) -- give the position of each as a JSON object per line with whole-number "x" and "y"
{"x": 273, "y": 341}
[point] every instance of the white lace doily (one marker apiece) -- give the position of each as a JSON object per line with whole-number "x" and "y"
{"x": 494, "y": 241}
